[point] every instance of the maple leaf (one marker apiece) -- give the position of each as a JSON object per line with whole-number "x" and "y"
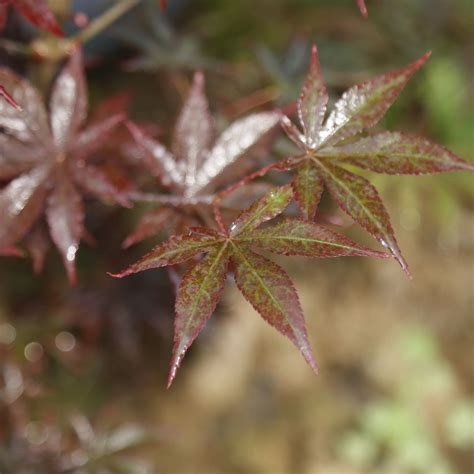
{"x": 36, "y": 11}
{"x": 197, "y": 163}
{"x": 46, "y": 160}
{"x": 262, "y": 282}
{"x": 328, "y": 145}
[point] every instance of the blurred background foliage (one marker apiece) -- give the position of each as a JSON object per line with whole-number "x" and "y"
{"x": 82, "y": 371}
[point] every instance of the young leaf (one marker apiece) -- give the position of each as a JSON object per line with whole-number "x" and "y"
{"x": 44, "y": 156}
{"x": 264, "y": 284}
{"x": 326, "y": 150}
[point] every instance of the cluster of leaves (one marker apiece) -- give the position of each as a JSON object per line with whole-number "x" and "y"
{"x": 47, "y": 165}
{"x": 327, "y": 146}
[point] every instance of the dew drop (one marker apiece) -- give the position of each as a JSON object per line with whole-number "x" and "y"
{"x": 71, "y": 253}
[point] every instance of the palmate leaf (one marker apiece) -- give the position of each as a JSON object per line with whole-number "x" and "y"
{"x": 263, "y": 283}
{"x": 197, "y": 161}
{"x": 46, "y": 157}
{"x": 328, "y": 146}
{"x": 36, "y": 11}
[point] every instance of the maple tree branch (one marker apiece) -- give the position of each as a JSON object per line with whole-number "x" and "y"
{"x": 103, "y": 21}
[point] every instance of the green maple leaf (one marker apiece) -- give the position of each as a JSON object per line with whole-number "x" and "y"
{"x": 328, "y": 145}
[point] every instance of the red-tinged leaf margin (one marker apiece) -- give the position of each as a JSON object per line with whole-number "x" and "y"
{"x": 199, "y": 292}
{"x": 360, "y": 200}
{"x": 400, "y": 154}
{"x": 363, "y": 105}
{"x": 298, "y": 237}
{"x": 269, "y": 289}
{"x": 177, "y": 249}
{"x": 151, "y": 223}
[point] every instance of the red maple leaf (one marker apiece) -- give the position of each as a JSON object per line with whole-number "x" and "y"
{"x": 262, "y": 282}
{"x": 197, "y": 163}
{"x": 46, "y": 158}
{"x": 328, "y": 145}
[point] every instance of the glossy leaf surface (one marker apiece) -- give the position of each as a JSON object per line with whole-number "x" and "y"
{"x": 198, "y": 161}
{"x": 326, "y": 149}
{"x": 263, "y": 283}
{"x": 44, "y": 158}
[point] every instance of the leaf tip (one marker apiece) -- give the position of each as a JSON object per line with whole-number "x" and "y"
{"x": 314, "y": 55}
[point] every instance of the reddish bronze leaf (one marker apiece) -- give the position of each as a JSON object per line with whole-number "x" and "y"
{"x": 30, "y": 123}
{"x": 263, "y": 283}
{"x": 361, "y": 201}
{"x": 176, "y": 249}
{"x": 308, "y": 188}
{"x": 46, "y": 159}
{"x": 303, "y": 238}
{"x": 312, "y": 102}
{"x": 398, "y": 153}
{"x": 151, "y": 223}
{"x": 65, "y": 216}
{"x": 21, "y": 203}
{"x": 268, "y": 288}
{"x": 199, "y": 292}
{"x": 69, "y": 102}
{"x": 273, "y": 203}
{"x": 326, "y": 149}
{"x": 363, "y": 105}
